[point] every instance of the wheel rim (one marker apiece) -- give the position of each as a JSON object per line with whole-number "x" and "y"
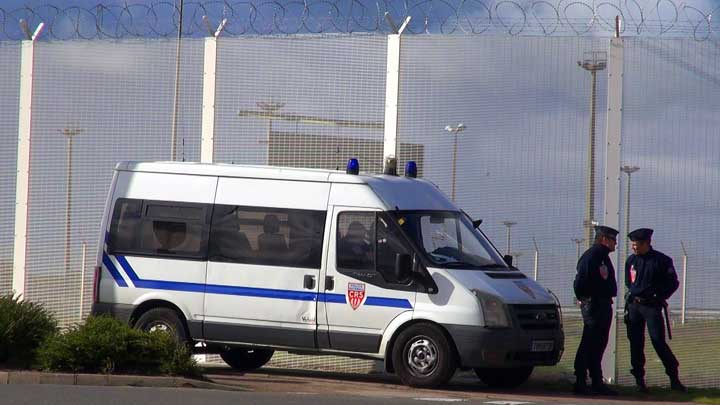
{"x": 160, "y": 326}
{"x": 422, "y": 356}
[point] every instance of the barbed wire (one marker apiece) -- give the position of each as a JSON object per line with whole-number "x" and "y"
{"x": 160, "y": 18}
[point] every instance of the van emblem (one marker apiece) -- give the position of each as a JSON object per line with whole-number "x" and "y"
{"x": 527, "y": 290}
{"x": 355, "y": 294}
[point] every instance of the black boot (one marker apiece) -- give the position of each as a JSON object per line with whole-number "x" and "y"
{"x": 640, "y": 386}
{"x": 602, "y": 389}
{"x": 580, "y": 387}
{"x": 676, "y": 385}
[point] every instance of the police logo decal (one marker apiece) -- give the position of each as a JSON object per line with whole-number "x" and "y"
{"x": 604, "y": 271}
{"x": 633, "y": 274}
{"x": 355, "y": 294}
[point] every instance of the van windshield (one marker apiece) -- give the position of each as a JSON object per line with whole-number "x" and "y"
{"x": 448, "y": 239}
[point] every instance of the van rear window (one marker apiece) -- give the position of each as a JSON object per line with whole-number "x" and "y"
{"x": 159, "y": 228}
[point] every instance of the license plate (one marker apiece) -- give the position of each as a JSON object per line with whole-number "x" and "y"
{"x": 543, "y": 345}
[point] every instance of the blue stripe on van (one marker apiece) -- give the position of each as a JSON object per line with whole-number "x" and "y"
{"x": 251, "y": 291}
{"x": 113, "y": 271}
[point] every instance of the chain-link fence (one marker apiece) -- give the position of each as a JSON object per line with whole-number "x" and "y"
{"x": 520, "y": 159}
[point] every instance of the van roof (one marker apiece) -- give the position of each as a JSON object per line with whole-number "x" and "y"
{"x": 396, "y": 191}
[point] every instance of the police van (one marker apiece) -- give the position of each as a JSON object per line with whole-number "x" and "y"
{"x": 250, "y": 259}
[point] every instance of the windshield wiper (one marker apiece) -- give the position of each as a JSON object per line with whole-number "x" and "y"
{"x": 459, "y": 264}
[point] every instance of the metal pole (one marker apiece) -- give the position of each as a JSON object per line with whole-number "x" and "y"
{"x": 68, "y": 201}
{"x": 173, "y": 140}
{"x": 452, "y": 193}
{"x": 508, "y": 224}
{"x": 590, "y": 198}
{"x": 537, "y": 259}
{"x": 455, "y": 130}
{"x": 82, "y": 278}
{"x": 684, "y": 283}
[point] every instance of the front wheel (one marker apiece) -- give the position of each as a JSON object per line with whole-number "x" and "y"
{"x": 504, "y": 377}
{"x": 242, "y": 359}
{"x": 423, "y": 356}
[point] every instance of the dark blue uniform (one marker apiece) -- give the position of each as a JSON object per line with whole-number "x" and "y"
{"x": 650, "y": 280}
{"x": 595, "y": 286}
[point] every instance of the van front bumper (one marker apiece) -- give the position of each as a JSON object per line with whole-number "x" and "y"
{"x": 483, "y": 347}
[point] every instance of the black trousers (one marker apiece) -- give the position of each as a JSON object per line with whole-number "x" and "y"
{"x": 597, "y": 318}
{"x": 638, "y": 316}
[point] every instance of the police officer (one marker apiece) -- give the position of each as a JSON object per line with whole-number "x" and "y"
{"x": 595, "y": 286}
{"x": 650, "y": 279}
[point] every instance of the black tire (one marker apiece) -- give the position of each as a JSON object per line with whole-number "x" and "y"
{"x": 164, "y": 319}
{"x": 504, "y": 377}
{"x": 423, "y": 356}
{"x": 243, "y": 359}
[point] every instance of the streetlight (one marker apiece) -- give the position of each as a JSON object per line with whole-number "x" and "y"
{"x": 578, "y": 242}
{"x": 70, "y": 134}
{"x": 592, "y": 62}
{"x": 509, "y": 225}
{"x": 629, "y": 170}
{"x": 455, "y": 130}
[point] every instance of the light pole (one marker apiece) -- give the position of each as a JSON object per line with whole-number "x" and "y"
{"x": 455, "y": 130}
{"x": 629, "y": 170}
{"x": 70, "y": 134}
{"x": 509, "y": 225}
{"x": 578, "y": 242}
{"x": 536, "y": 262}
{"x": 592, "y": 62}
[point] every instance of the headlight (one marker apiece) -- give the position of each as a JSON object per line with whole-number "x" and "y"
{"x": 494, "y": 310}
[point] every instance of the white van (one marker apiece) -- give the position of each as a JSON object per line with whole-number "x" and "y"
{"x": 251, "y": 259}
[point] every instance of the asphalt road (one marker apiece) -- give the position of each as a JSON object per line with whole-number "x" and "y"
{"x": 79, "y": 395}
{"x": 278, "y": 387}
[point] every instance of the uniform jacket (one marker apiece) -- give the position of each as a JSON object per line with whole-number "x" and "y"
{"x": 651, "y": 276}
{"x": 595, "y": 276}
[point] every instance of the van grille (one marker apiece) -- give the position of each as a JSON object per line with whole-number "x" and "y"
{"x": 537, "y": 317}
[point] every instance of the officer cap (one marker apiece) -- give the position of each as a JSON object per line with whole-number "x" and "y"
{"x": 640, "y": 234}
{"x": 606, "y": 231}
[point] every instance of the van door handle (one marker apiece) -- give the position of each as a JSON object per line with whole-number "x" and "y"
{"x": 309, "y": 282}
{"x": 329, "y": 283}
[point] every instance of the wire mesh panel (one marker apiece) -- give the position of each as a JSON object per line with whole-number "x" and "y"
{"x": 505, "y": 127}
{"x": 9, "y": 105}
{"x": 96, "y": 103}
{"x": 308, "y": 101}
{"x": 671, "y": 92}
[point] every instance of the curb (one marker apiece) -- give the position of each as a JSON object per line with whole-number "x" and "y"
{"x": 112, "y": 380}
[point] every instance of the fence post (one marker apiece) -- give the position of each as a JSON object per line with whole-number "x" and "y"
{"x": 207, "y": 145}
{"x": 612, "y": 176}
{"x": 684, "y": 283}
{"x": 22, "y": 185}
{"x": 392, "y": 95}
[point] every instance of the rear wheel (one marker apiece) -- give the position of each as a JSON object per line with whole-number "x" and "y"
{"x": 423, "y": 356}
{"x": 165, "y": 320}
{"x": 243, "y": 359}
{"x": 504, "y": 377}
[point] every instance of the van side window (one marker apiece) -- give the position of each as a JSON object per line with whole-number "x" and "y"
{"x": 355, "y": 241}
{"x": 159, "y": 228}
{"x": 367, "y": 245}
{"x": 389, "y": 244}
{"x": 267, "y": 236}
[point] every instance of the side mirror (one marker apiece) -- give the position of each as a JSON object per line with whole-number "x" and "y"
{"x": 403, "y": 267}
{"x": 508, "y": 260}
{"x": 476, "y": 223}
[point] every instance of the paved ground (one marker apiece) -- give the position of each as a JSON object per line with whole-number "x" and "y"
{"x": 335, "y": 393}
{"x": 380, "y": 389}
